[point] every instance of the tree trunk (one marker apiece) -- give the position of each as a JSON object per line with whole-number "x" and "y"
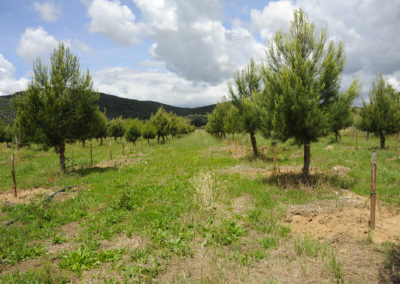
{"x": 101, "y": 141}
{"x": 307, "y": 159}
{"x": 336, "y": 136}
{"x": 382, "y": 136}
{"x": 62, "y": 157}
{"x": 83, "y": 143}
{"x": 367, "y": 135}
{"x": 254, "y": 144}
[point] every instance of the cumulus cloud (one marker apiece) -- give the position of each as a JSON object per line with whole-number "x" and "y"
{"x": 8, "y": 83}
{"x": 34, "y": 43}
{"x": 275, "y": 16}
{"x": 369, "y": 30}
{"x": 114, "y": 20}
{"x": 190, "y": 37}
{"x": 165, "y": 87}
{"x": 48, "y": 11}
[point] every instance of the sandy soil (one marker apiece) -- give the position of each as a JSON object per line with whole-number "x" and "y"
{"x": 348, "y": 215}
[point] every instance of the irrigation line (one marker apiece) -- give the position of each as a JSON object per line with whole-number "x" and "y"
{"x": 48, "y": 199}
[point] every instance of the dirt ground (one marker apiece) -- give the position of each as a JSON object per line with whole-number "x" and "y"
{"x": 24, "y": 196}
{"x": 349, "y": 215}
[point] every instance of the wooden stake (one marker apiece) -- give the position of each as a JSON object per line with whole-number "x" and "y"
{"x": 357, "y": 138}
{"x": 91, "y": 156}
{"x": 123, "y": 149}
{"x": 274, "y": 143}
{"x": 13, "y": 175}
{"x": 110, "y": 151}
{"x": 373, "y": 190}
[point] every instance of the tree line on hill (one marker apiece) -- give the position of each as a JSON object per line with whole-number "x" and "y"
{"x": 296, "y": 94}
{"x": 60, "y": 107}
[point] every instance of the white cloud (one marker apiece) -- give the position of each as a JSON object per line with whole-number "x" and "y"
{"x": 369, "y": 30}
{"x": 114, "y": 20}
{"x": 154, "y": 65}
{"x": 48, "y": 11}
{"x": 275, "y": 16}
{"x": 34, "y": 43}
{"x": 165, "y": 87}
{"x": 8, "y": 83}
{"x": 189, "y": 36}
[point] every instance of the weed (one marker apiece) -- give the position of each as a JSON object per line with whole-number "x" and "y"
{"x": 17, "y": 253}
{"x": 336, "y": 267}
{"x": 269, "y": 242}
{"x": 205, "y": 187}
{"x": 305, "y": 244}
{"x": 57, "y": 239}
{"x": 86, "y": 258}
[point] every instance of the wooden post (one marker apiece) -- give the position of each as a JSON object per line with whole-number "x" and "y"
{"x": 373, "y": 191}
{"x": 357, "y": 138}
{"x": 274, "y": 143}
{"x": 13, "y": 175}
{"x": 123, "y": 149}
{"x": 141, "y": 138}
{"x": 91, "y": 156}
{"x": 110, "y": 151}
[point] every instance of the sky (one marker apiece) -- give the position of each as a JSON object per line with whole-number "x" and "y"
{"x": 183, "y": 52}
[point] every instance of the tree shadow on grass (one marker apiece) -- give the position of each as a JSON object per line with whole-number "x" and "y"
{"x": 88, "y": 171}
{"x": 390, "y": 272}
{"x": 293, "y": 180}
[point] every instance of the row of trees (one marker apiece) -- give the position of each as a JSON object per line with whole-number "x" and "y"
{"x": 160, "y": 126}
{"x": 60, "y": 106}
{"x": 6, "y": 132}
{"x": 297, "y": 93}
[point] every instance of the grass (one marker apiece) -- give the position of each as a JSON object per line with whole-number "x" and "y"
{"x": 178, "y": 200}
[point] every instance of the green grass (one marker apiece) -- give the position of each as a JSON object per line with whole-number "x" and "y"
{"x": 154, "y": 199}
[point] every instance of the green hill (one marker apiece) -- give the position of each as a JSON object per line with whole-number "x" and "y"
{"x": 116, "y": 106}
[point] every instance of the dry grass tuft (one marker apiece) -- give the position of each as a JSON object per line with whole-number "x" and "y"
{"x": 204, "y": 184}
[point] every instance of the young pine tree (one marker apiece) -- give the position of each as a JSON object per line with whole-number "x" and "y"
{"x": 59, "y": 104}
{"x": 247, "y": 84}
{"x": 382, "y": 114}
{"x": 302, "y": 81}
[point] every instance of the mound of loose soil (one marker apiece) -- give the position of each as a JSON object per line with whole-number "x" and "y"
{"x": 349, "y": 215}
{"x": 24, "y": 196}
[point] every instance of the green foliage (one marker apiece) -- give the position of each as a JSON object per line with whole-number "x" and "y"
{"x": 340, "y": 111}
{"x": 59, "y": 105}
{"x": 16, "y": 253}
{"x": 161, "y": 122}
{"x": 134, "y": 131}
{"x": 86, "y": 258}
{"x": 39, "y": 275}
{"x": 247, "y": 84}
{"x": 148, "y": 131}
{"x": 231, "y": 120}
{"x": 116, "y": 128}
{"x": 302, "y": 80}
{"x": 382, "y": 114}
{"x": 101, "y": 125}
{"x": 215, "y": 120}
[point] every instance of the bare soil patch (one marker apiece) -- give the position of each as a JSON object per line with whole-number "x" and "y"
{"x": 349, "y": 215}
{"x": 242, "y": 204}
{"x": 24, "y": 195}
{"x": 117, "y": 163}
{"x": 247, "y": 171}
{"x": 122, "y": 241}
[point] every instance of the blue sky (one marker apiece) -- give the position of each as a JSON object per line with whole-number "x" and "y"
{"x": 183, "y": 52}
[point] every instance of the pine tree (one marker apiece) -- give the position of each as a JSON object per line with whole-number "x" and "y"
{"x": 382, "y": 114}
{"x": 59, "y": 103}
{"x": 247, "y": 84}
{"x": 302, "y": 81}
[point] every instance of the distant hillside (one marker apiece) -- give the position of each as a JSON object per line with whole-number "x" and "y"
{"x": 116, "y": 106}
